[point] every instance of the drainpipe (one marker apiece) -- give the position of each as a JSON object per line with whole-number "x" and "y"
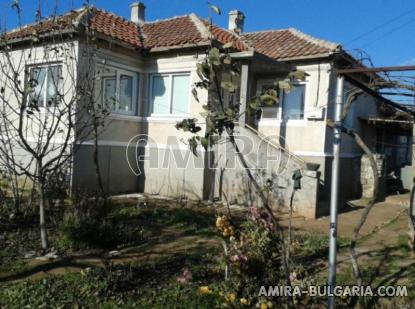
{"x": 334, "y": 195}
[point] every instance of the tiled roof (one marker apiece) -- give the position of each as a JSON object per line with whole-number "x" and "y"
{"x": 184, "y": 30}
{"x": 45, "y": 26}
{"x": 171, "y": 32}
{"x": 225, "y": 36}
{"x": 116, "y": 27}
{"x": 288, "y": 44}
{"x": 176, "y": 31}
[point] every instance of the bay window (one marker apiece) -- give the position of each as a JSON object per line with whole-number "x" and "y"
{"x": 118, "y": 90}
{"x": 169, "y": 94}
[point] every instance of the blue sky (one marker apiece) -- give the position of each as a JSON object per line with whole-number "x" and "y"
{"x": 383, "y": 28}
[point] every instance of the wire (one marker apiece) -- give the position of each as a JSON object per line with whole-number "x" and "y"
{"x": 380, "y": 26}
{"x": 390, "y": 32}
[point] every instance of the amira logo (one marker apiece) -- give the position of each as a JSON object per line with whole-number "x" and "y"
{"x": 259, "y": 153}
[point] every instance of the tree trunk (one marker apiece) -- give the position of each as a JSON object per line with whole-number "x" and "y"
{"x": 42, "y": 205}
{"x": 96, "y": 160}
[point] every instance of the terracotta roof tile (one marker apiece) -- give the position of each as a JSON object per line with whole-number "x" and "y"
{"x": 45, "y": 26}
{"x": 171, "y": 32}
{"x": 288, "y": 44}
{"x": 116, "y": 27}
{"x": 183, "y": 30}
{"x": 226, "y": 36}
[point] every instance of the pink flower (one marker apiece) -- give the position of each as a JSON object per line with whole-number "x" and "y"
{"x": 186, "y": 277}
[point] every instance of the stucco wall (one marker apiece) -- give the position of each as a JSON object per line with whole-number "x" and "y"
{"x": 38, "y": 123}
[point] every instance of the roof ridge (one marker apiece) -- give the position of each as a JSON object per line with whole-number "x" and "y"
{"x": 114, "y": 14}
{"x": 166, "y": 19}
{"x": 201, "y": 27}
{"x": 46, "y": 19}
{"x": 236, "y": 35}
{"x": 263, "y": 31}
{"x": 314, "y": 40}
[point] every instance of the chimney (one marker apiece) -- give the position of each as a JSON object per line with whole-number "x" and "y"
{"x": 236, "y": 21}
{"x": 138, "y": 12}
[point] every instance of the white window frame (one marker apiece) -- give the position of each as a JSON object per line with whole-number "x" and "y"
{"x": 135, "y": 83}
{"x": 304, "y": 103}
{"x": 45, "y": 106}
{"x": 170, "y": 76}
{"x": 270, "y": 121}
{"x": 269, "y": 82}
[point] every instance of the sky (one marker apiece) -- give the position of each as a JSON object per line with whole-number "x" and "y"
{"x": 382, "y": 28}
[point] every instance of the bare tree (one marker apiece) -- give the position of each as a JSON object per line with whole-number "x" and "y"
{"x": 48, "y": 102}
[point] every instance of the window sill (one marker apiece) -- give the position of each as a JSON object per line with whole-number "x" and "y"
{"x": 166, "y": 118}
{"x": 272, "y": 122}
{"x": 124, "y": 117}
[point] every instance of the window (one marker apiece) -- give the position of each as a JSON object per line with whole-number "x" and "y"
{"x": 169, "y": 94}
{"x": 293, "y": 103}
{"x": 117, "y": 89}
{"x": 46, "y": 82}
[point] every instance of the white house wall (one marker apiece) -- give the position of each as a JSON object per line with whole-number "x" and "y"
{"x": 21, "y": 59}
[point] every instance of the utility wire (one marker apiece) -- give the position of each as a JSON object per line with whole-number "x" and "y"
{"x": 390, "y": 32}
{"x": 380, "y": 26}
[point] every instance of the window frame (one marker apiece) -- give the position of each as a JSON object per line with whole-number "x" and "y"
{"x": 282, "y": 98}
{"x": 119, "y": 71}
{"x": 60, "y": 87}
{"x": 264, "y": 83}
{"x": 170, "y": 75}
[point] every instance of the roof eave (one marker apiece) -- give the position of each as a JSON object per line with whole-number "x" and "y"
{"x": 309, "y": 57}
{"x": 118, "y": 42}
{"x": 178, "y": 47}
{"x": 42, "y": 36}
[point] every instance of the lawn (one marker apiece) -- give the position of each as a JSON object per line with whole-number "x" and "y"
{"x": 158, "y": 253}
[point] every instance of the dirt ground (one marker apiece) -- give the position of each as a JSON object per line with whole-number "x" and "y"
{"x": 386, "y": 223}
{"x": 381, "y": 216}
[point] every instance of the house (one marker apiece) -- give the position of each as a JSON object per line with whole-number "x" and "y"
{"x": 146, "y": 72}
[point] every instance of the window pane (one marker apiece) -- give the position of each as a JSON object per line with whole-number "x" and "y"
{"x": 126, "y": 94}
{"x": 293, "y": 104}
{"x": 54, "y": 84}
{"x": 109, "y": 91}
{"x": 160, "y": 95}
{"x": 180, "y": 96}
{"x": 37, "y": 82}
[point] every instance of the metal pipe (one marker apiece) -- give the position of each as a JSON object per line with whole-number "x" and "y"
{"x": 379, "y": 69}
{"x": 334, "y": 199}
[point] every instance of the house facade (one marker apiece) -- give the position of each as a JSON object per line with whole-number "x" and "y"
{"x": 145, "y": 71}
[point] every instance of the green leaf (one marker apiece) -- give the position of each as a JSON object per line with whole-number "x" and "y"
{"x": 203, "y": 71}
{"x": 214, "y": 56}
{"x": 229, "y": 86}
{"x": 269, "y": 100}
{"x": 298, "y": 75}
{"x": 194, "y": 92}
{"x": 215, "y": 9}
{"x": 193, "y": 144}
{"x": 285, "y": 85}
{"x": 227, "y": 59}
{"x": 205, "y": 142}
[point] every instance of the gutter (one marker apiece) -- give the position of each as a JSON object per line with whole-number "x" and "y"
{"x": 253, "y": 55}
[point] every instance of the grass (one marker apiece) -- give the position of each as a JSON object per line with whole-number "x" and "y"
{"x": 156, "y": 244}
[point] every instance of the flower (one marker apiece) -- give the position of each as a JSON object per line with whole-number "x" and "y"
{"x": 205, "y": 290}
{"x": 186, "y": 277}
{"x": 232, "y": 297}
{"x": 263, "y": 306}
{"x": 243, "y": 301}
